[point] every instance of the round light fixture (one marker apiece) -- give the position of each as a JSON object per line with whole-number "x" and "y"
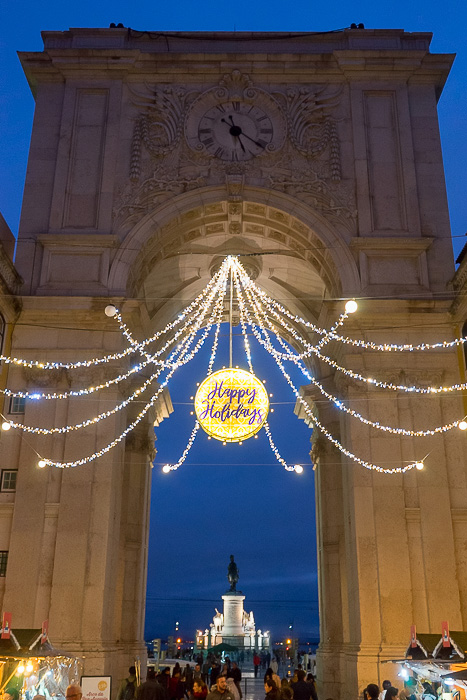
{"x": 110, "y": 310}
{"x": 351, "y": 306}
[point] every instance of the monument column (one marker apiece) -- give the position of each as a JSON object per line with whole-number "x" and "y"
{"x": 233, "y": 613}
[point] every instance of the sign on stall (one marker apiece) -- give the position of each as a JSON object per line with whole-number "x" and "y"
{"x": 96, "y": 687}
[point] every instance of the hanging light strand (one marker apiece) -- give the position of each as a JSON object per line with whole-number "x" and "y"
{"x": 198, "y": 302}
{"x": 275, "y": 451}
{"x": 338, "y": 403}
{"x": 317, "y": 423}
{"x": 140, "y": 416}
{"x": 172, "y": 467}
{"x": 202, "y": 300}
{"x": 312, "y": 350}
{"x": 367, "y": 345}
{"x": 150, "y": 359}
{"x": 246, "y": 344}
{"x": 173, "y": 362}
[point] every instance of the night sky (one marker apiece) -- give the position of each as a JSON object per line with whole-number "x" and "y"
{"x": 234, "y": 499}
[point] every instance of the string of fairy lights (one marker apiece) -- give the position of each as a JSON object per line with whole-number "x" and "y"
{"x": 155, "y": 360}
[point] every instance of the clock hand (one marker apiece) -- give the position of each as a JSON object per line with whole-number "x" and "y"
{"x": 257, "y": 143}
{"x": 236, "y": 131}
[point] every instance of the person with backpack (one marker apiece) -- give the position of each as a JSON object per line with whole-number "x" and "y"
{"x": 127, "y": 689}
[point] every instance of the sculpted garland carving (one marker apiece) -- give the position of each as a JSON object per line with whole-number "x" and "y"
{"x": 160, "y": 126}
{"x": 310, "y": 126}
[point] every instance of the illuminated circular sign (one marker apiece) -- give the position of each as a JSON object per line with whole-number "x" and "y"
{"x": 231, "y": 405}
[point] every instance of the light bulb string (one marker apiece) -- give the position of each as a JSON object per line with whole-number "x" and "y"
{"x": 355, "y": 375}
{"x": 312, "y": 350}
{"x": 338, "y": 402}
{"x": 213, "y": 289}
{"x": 106, "y": 414}
{"x": 113, "y": 356}
{"x": 117, "y": 440}
{"x": 242, "y": 322}
{"x": 246, "y": 343}
{"x": 326, "y": 433}
{"x": 184, "y": 357}
{"x": 327, "y": 337}
{"x": 189, "y": 445}
{"x": 194, "y": 432}
{"x": 275, "y": 451}
{"x": 151, "y": 359}
{"x": 368, "y": 345}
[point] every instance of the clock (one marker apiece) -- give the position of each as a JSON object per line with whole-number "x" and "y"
{"x": 235, "y": 129}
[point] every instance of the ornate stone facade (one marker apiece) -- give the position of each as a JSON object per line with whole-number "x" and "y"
{"x": 326, "y": 165}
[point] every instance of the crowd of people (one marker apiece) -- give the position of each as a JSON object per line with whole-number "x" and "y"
{"x": 215, "y": 681}
{"x": 410, "y": 691}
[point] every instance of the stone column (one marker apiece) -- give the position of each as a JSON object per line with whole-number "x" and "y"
{"x": 233, "y": 613}
{"x": 332, "y": 572}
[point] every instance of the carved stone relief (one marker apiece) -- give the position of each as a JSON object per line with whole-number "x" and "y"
{"x": 170, "y": 157}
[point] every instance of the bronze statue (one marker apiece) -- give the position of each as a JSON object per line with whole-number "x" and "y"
{"x": 232, "y": 574}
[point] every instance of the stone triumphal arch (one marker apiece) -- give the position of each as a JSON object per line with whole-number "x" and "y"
{"x": 143, "y": 174}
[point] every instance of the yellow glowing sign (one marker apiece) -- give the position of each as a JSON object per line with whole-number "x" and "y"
{"x": 231, "y": 405}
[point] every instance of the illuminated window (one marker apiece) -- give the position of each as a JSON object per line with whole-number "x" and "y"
{"x": 17, "y": 404}
{"x": 3, "y": 562}
{"x": 8, "y": 482}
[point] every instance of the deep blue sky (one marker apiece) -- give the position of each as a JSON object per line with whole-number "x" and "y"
{"x": 213, "y": 506}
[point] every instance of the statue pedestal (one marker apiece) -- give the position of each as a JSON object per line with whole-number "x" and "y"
{"x": 233, "y": 613}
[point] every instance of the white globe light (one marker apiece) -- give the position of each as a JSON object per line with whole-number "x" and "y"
{"x": 298, "y": 468}
{"x": 351, "y": 306}
{"x": 110, "y": 310}
{"x": 463, "y": 425}
{"x": 42, "y": 463}
{"x": 29, "y": 668}
{"x": 166, "y": 468}
{"x": 6, "y": 425}
{"x": 419, "y": 465}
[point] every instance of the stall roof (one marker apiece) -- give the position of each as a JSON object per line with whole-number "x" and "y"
{"x": 26, "y": 642}
{"x": 426, "y": 644}
{"x": 458, "y": 645}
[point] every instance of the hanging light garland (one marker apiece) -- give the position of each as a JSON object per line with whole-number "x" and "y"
{"x": 264, "y": 316}
{"x": 337, "y": 402}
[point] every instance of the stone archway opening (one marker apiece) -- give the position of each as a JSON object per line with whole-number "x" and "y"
{"x": 284, "y": 256}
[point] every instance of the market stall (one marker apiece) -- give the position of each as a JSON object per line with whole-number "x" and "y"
{"x": 29, "y": 663}
{"x": 435, "y": 665}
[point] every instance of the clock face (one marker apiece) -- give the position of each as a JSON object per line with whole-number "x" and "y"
{"x": 235, "y": 131}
